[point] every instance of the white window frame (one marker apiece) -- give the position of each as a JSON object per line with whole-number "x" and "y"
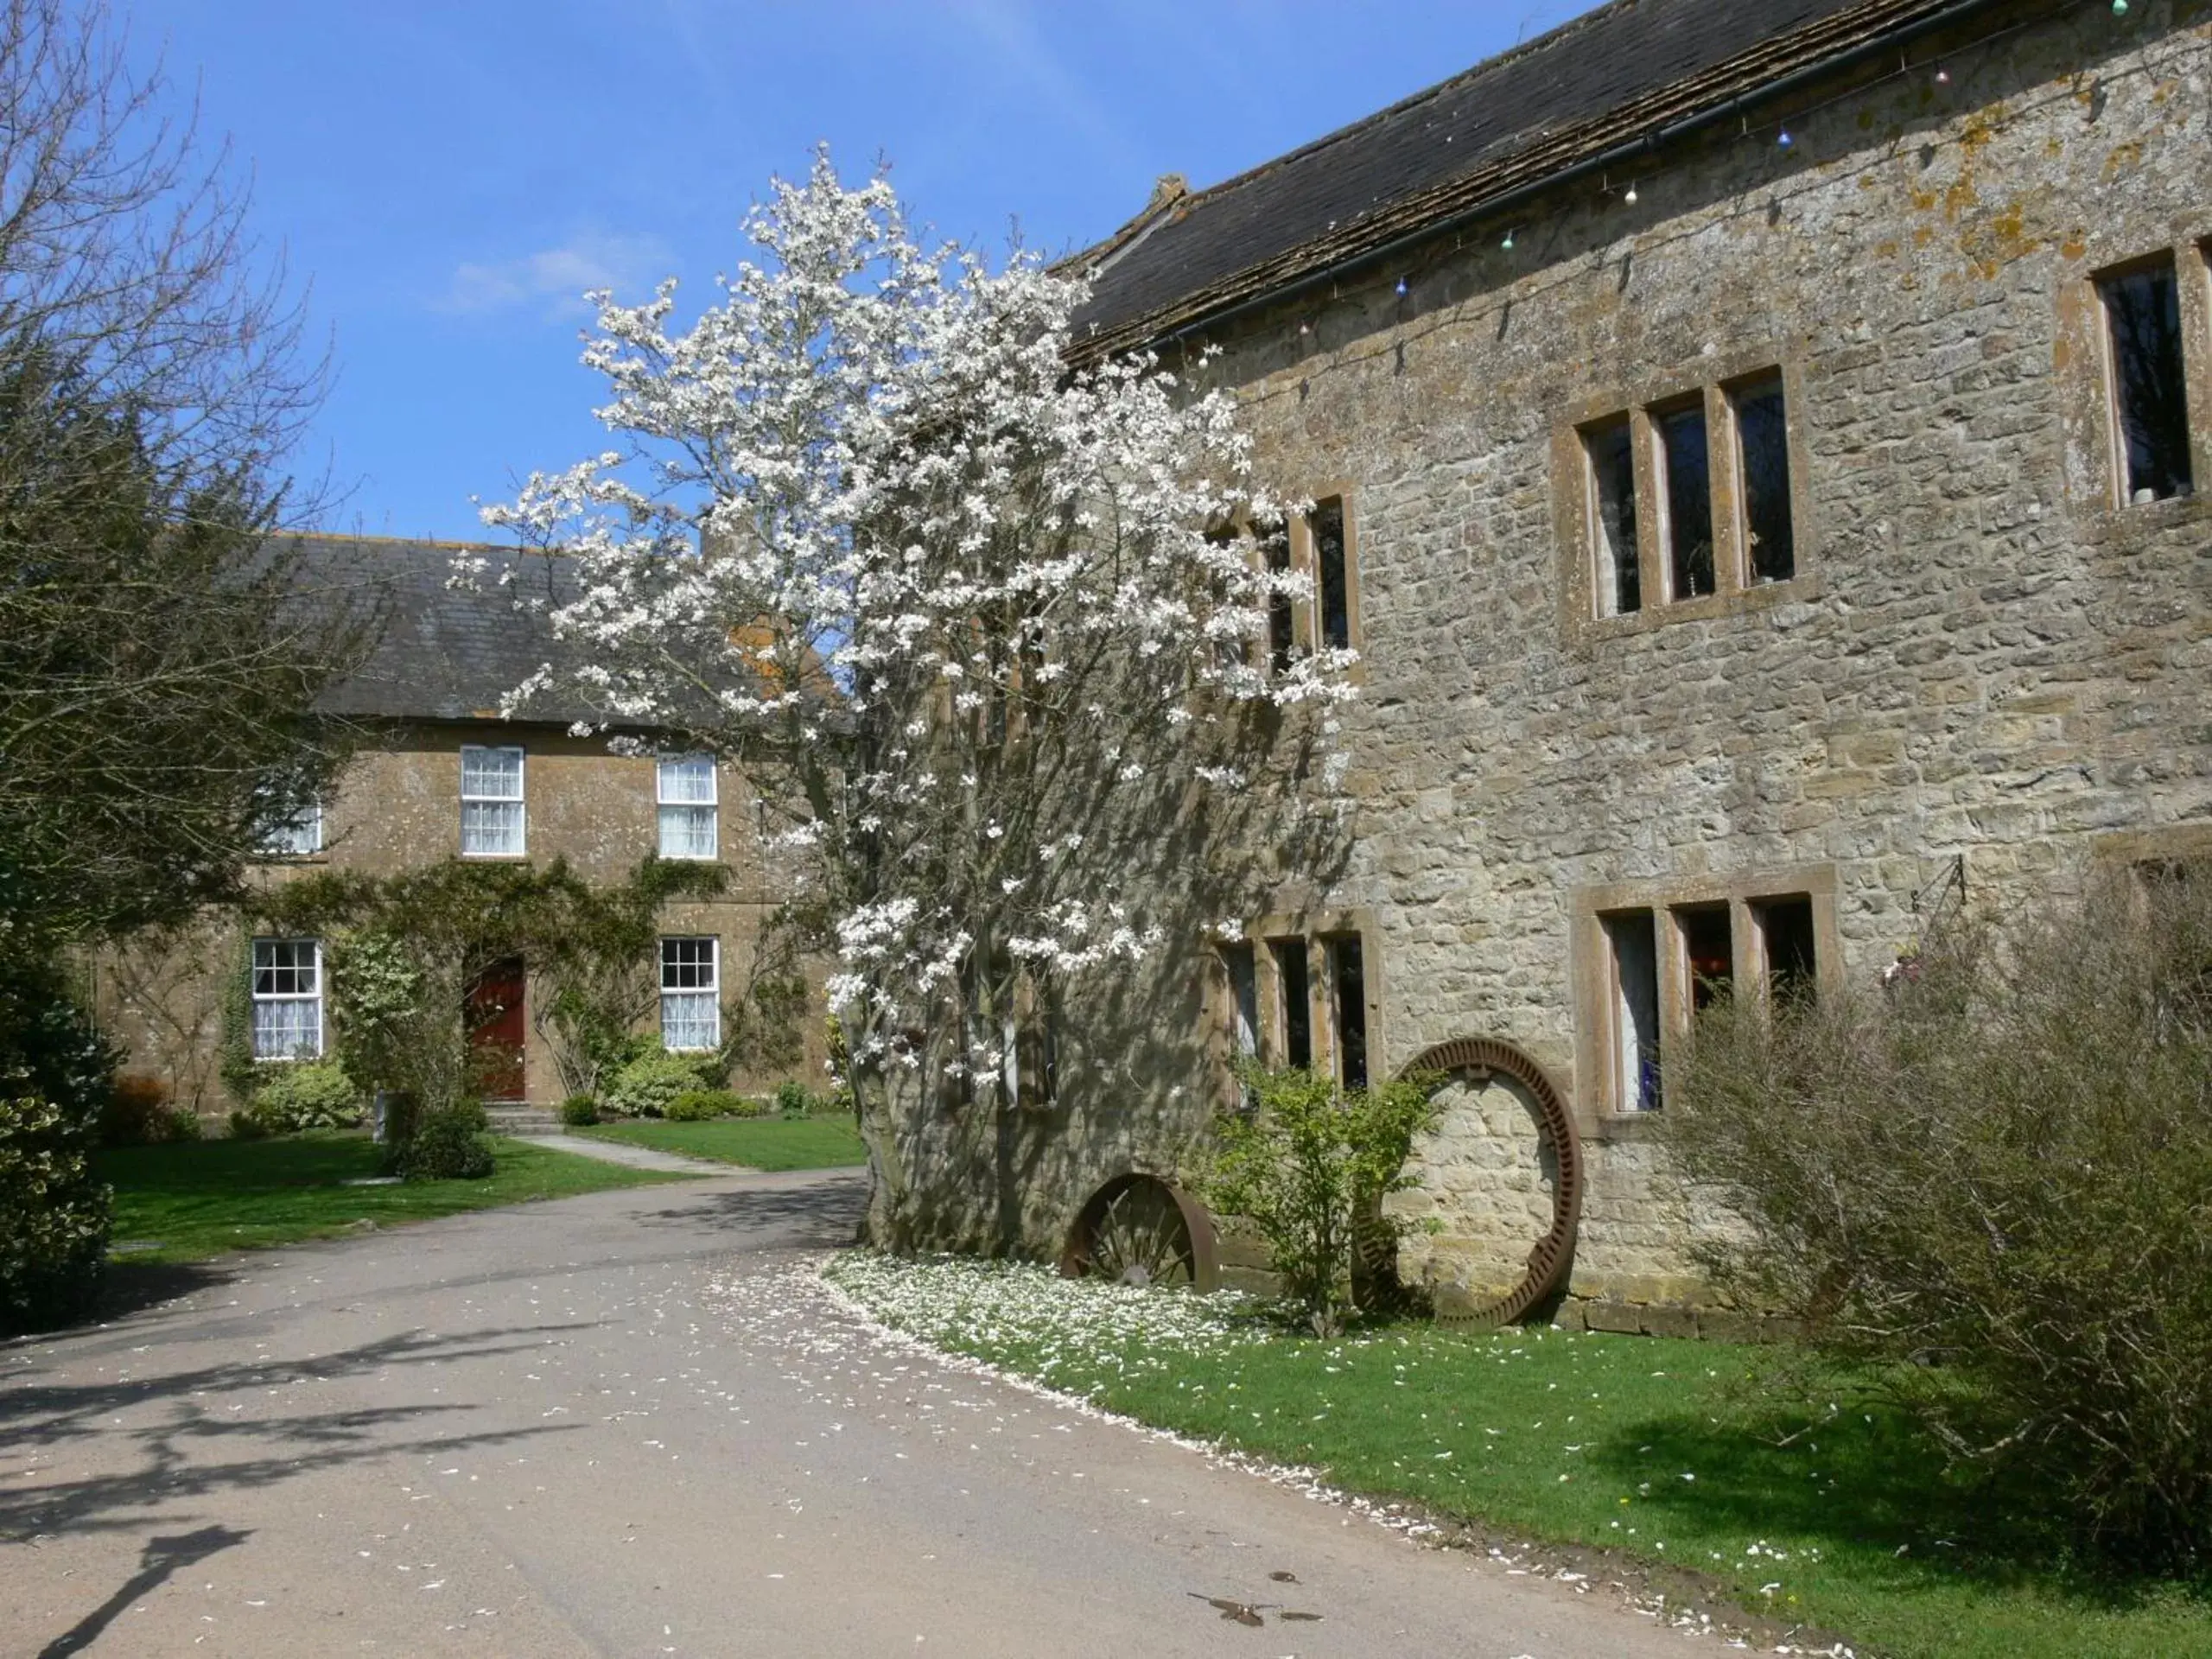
{"x": 680, "y": 1004}
{"x": 298, "y": 837}
{"x": 681, "y": 809}
{"x": 517, "y": 800}
{"x": 293, "y": 999}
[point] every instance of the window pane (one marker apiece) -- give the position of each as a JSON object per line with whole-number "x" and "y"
{"x": 687, "y": 964}
{"x": 1280, "y": 617}
{"x": 491, "y": 828}
{"x": 1613, "y": 486}
{"x": 494, "y": 774}
{"x": 1331, "y": 576}
{"x": 687, "y": 778}
{"x": 1708, "y": 954}
{"x": 690, "y": 1019}
{"x": 1632, "y": 940}
{"x": 1762, "y": 438}
{"x": 1297, "y": 1002}
{"x": 1348, "y": 984}
{"x": 284, "y": 967}
{"x": 1244, "y": 998}
{"x": 1786, "y": 933}
{"x": 297, "y": 835}
{"x": 2143, "y": 312}
{"x": 1690, "y": 500}
{"x": 687, "y": 832}
{"x": 287, "y": 1030}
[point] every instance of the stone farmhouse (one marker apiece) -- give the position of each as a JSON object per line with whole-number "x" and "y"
{"x": 1757, "y": 447}
{"x": 442, "y": 775}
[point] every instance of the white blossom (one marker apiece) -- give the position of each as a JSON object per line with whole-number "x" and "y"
{"x": 948, "y": 601}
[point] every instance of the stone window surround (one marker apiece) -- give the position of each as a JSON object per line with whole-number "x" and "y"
{"x": 1305, "y": 614}
{"x": 1305, "y": 628}
{"x": 2181, "y": 844}
{"x": 1595, "y": 1114}
{"x": 1573, "y": 508}
{"x": 1316, "y": 928}
{"x": 2088, "y": 409}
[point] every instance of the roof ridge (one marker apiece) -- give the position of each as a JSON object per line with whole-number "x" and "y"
{"x": 1515, "y": 53}
{"x": 403, "y": 541}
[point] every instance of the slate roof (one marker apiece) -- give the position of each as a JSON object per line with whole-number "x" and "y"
{"x": 1620, "y": 75}
{"x": 446, "y": 653}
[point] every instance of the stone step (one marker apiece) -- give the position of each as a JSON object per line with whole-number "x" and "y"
{"x": 521, "y": 1120}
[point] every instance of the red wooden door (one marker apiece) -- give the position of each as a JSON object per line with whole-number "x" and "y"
{"x": 495, "y": 1030}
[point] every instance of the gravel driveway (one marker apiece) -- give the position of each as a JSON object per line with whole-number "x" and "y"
{"x": 632, "y": 1424}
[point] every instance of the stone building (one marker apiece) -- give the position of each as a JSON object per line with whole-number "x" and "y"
{"x": 1755, "y": 446}
{"x": 441, "y": 775}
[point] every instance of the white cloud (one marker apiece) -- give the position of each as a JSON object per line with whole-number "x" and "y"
{"x": 555, "y": 279}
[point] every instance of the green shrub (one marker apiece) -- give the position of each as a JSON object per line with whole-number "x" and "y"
{"x": 299, "y": 1095}
{"x": 1308, "y": 1168}
{"x": 647, "y": 1085}
{"x": 179, "y": 1123}
{"x": 794, "y": 1098}
{"x": 56, "y": 1082}
{"x": 449, "y": 1143}
{"x": 698, "y": 1105}
{"x": 53, "y": 1216}
{"x": 1988, "y": 1183}
{"x": 245, "y": 1126}
{"x": 579, "y": 1111}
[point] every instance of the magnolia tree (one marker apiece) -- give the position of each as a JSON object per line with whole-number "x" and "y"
{"x": 979, "y": 627}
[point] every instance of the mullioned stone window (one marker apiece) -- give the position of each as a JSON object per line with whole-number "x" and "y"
{"x": 1685, "y": 501}
{"x": 1298, "y": 991}
{"x": 1652, "y": 955}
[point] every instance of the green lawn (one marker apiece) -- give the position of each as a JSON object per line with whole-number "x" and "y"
{"x": 755, "y": 1142}
{"x": 196, "y": 1200}
{"x": 1698, "y": 1456}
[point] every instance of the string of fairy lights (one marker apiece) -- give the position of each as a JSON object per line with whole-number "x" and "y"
{"x": 1776, "y": 134}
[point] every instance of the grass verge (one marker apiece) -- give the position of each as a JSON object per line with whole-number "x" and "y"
{"x": 1736, "y": 1465}
{"x": 194, "y": 1199}
{"x": 755, "y": 1142}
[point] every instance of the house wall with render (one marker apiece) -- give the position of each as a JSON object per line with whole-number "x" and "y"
{"x": 1986, "y": 664}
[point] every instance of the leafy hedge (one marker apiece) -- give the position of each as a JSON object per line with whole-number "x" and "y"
{"x": 299, "y": 1095}
{"x": 649, "y": 1085}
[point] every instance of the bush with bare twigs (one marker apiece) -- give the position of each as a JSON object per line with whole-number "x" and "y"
{"x": 1992, "y": 1183}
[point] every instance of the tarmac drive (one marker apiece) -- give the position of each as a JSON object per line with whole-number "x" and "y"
{"x": 632, "y": 1424}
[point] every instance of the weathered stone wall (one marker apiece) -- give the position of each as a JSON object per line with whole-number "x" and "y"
{"x": 398, "y": 807}
{"x": 1982, "y": 656}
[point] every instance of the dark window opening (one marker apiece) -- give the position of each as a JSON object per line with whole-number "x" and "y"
{"x": 1348, "y": 984}
{"x": 1708, "y": 954}
{"x": 1296, "y": 1003}
{"x": 1280, "y": 617}
{"x": 1613, "y": 485}
{"x": 1786, "y": 931}
{"x": 2143, "y": 317}
{"x": 1331, "y": 576}
{"x": 1690, "y": 500}
{"x": 1231, "y": 653}
{"x": 1763, "y": 440}
{"x": 1631, "y": 940}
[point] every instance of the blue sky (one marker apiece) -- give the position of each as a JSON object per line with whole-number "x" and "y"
{"x": 449, "y": 177}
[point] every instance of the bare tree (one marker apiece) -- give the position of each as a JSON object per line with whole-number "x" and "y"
{"x": 162, "y": 640}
